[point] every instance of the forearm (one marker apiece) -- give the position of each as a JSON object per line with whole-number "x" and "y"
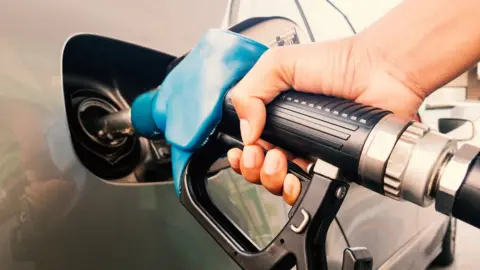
{"x": 426, "y": 43}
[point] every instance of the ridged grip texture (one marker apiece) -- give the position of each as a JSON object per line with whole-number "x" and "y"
{"x": 329, "y": 128}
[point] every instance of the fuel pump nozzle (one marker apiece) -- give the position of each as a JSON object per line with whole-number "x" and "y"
{"x": 403, "y": 160}
{"x": 426, "y": 167}
{"x": 114, "y": 125}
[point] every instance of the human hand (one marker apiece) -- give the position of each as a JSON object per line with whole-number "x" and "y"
{"x": 344, "y": 68}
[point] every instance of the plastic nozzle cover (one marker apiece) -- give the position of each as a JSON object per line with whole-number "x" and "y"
{"x": 141, "y": 114}
{"x": 188, "y": 105}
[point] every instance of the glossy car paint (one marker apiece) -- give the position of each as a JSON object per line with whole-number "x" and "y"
{"x": 54, "y": 214}
{"x": 68, "y": 218}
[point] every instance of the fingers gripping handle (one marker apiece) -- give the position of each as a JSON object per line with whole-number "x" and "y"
{"x": 329, "y": 128}
{"x": 304, "y": 177}
{"x": 300, "y": 243}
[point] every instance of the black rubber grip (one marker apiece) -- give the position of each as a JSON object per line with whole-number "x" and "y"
{"x": 304, "y": 124}
{"x": 467, "y": 200}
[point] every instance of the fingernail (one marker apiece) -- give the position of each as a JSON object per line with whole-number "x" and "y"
{"x": 271, "y": 165}
{"x": 249, "y": 158}
{"x": 245, "y": 130}
{"x": 288, "y": 185}
{"x": 234, "y": 158}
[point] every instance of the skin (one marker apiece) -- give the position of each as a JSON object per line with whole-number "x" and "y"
{"x": 394, "y": 64}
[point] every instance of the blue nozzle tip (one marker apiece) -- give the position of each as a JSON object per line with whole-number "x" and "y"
{"x": 141, "y": 114}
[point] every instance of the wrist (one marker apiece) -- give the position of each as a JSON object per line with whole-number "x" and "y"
{"x": 374, "y": 61}
{"x": 381, "y": 83}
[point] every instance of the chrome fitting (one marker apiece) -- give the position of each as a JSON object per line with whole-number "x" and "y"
{"x": 452, "y": 177}
{"x": 413, "y": 166}
{"x": 377, "y": 149}
{"x": 398, "y": 161}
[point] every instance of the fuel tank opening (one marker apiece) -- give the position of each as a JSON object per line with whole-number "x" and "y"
{"x": 101, "y": 78}
{"x": 90, "y": 113}
{"x": 109, "y": 158}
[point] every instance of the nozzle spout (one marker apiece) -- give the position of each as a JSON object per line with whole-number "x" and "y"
{"x": 115, "y": 125}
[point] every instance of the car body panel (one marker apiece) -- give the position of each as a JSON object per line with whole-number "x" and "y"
{"x": 424, "y": 248}
{"x": 378, "y": 223}
{"x": 81, "y": 222}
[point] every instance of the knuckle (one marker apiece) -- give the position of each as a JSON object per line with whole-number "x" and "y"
{"x": 264, "y": 144}
{"x": 239, "y": 98}
{"x": 271, "y": 55}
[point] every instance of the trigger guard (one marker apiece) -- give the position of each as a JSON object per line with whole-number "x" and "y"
{"x": 304, "y": 181}
{"x": 305, "y": 243}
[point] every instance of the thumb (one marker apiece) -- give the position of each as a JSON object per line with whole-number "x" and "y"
{"x": 271, "y": 75}
{"x": 252, "y": 114}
